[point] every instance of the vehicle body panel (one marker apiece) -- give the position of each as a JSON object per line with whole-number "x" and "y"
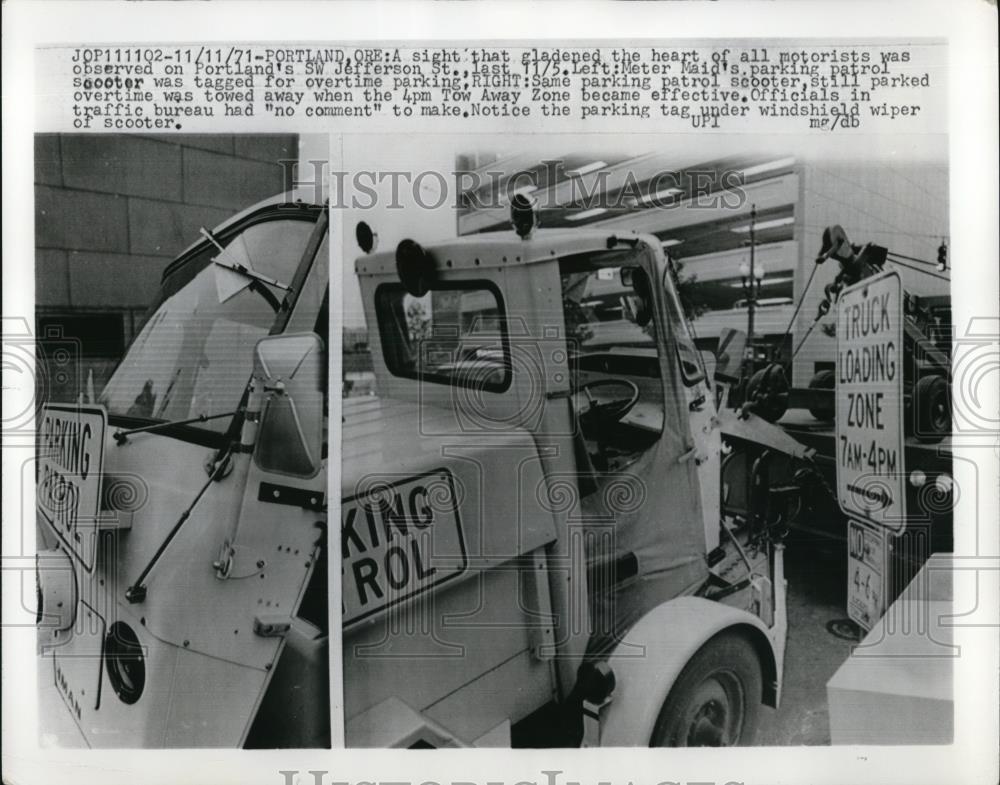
{"x": 206, "y": 663}
{"x": 610, "y": 554}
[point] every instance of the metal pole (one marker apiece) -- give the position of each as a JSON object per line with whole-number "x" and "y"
{"x": 752, "y": 298}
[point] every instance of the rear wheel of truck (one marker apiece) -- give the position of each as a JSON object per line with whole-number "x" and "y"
{"x": 823, "y": 380}
{"x": 932, "y": 401}
{"x": 715, "y": 702}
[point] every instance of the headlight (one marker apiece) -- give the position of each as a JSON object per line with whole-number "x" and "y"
{"x": 125, "y": 662}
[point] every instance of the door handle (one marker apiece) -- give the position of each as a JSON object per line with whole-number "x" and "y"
{"x": 697, "y": 404}
{"x": 692, "y": 454}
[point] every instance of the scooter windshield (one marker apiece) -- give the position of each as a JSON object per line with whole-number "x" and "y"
{"x": 603, "y": 311}
{"x": 195, "y": 353}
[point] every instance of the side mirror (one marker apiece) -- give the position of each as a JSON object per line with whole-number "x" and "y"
{"x": 637, "y": 306}
{"x": 290, "y": 370}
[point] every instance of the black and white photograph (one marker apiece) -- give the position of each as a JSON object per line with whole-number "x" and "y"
{"x": 596, "y": 490}
{"x": 182, "y": 316}
{"x": 647, "y": 353}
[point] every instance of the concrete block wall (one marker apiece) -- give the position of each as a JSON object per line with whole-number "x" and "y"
{"x": 112, "y": 211}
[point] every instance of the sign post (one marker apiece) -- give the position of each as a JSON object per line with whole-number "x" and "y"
{"x": 871, "y": 477}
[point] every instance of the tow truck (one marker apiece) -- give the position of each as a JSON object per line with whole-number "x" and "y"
{"x": 550, "y": 534}
{"x": 181, "y": 563}
{"x": 808, "y": 414}
{"x": 926, "y": 334}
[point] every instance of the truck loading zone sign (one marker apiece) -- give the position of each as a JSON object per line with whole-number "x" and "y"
{"x": 870, "y": 473}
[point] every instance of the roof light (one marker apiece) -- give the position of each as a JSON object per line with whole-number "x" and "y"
{"x": 582, "y": 170}
{"x": 367, "y": 239}
{"x": 583, "y": 215}
{"x": 523, "y": 214}
{"x": 415, "y": 268}
{"x": 524, "y": 190}
{"x": 670, "y": 243}
{"x": 770, "y": 166}
{"x": 772, "y": 224}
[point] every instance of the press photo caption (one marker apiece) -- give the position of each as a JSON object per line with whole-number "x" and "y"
{"x": 782, "y": 87}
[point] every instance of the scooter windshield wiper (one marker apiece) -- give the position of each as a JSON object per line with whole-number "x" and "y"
{"x": 231, "y": 263}
{"x": 121, "y": 436}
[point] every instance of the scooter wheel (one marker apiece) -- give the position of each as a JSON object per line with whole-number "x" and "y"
{"x": 715, "y": 702}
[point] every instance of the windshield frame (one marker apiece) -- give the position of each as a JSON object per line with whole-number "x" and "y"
{"x": 181, "y": 272}
{"x": 675, "y": 314}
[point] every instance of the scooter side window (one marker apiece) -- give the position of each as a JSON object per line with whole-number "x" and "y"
{"x": 690, "y": 359}
{"x": 455, "y": 334}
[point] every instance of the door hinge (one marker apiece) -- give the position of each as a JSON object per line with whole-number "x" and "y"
{"x": 271, "y": 625}
{"x": 294, "y": 497}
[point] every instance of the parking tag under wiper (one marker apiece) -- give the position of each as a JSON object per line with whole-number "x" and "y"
{"x": 228, "y": 288}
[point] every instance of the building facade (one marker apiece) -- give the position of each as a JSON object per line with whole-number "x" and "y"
{"x": 710, "y": 214}
{"x": 111, "y": 212}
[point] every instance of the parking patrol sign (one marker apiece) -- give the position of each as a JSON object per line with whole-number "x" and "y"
{"x": 870, "y": 472}
{"x": 399, "y": 539}
{"x": 70, "y": 454}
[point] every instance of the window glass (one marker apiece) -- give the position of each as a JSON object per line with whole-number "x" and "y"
{"x": 603, "y": 311}
{"x": 692, "y": 365}
{"x": 195, "y": 354}
{"x": 729, "y": 294}
{"x": 617, "y": 385}
{"x": 452, "y": 335}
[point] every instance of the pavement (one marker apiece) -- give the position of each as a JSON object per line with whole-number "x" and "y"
{"x": 817, "y": 588}
{"x": 817, "y": 593}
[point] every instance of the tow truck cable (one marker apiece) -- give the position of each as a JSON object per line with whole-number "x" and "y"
{"x": 837, "y": 246}
{"x": 802, "y": 299}
{"x": 915, "y": 269}
{"x": 806, "y": 336}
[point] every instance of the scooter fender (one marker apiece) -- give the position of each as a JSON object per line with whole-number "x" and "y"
{"x": 651, "y": 656}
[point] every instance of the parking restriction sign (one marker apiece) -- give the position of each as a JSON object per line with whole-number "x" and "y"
{"x": 870, "y": 472}
{"x": 866, "y": 572}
